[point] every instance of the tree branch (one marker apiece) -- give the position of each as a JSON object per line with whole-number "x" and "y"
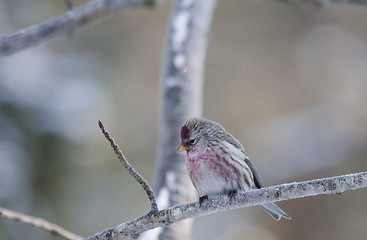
{"x": 38, "y": 223}
{"x": 331, "y": 185}
{"x": 132, "y": 229}
{"x": 74, "y": 18}
{"x": 182, "y": 93}
{"x": 322, "y": 2}
{"x": 64, "y": 23}
{"x": 130, "y": 169}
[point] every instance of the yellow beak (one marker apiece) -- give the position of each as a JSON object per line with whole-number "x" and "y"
{"x": 182, "y": 148}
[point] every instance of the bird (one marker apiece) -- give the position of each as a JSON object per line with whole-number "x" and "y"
{"x": 217, "y": 163}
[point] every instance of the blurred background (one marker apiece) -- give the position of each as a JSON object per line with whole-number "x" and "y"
{"x": 288, "y": 80}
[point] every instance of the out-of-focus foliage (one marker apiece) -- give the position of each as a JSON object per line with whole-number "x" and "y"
{"x": 289, "y": 81}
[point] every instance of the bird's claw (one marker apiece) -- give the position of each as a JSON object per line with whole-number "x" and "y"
{"x": 202, "y": 199}
{"x": 232, "y": 193}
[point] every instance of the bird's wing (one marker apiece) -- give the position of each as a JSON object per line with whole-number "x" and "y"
{"x": 257, "y": 179}
{"x": 238, "y": 155}
{"x": 242, "y": 157}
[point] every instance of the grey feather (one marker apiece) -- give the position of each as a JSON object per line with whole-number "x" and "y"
{"x": 275, "y": 211}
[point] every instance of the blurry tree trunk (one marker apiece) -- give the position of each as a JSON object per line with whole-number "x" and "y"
{"x": 182, "y": 92}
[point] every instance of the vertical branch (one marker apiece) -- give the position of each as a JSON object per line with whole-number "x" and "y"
{"x": 182, "y": 92}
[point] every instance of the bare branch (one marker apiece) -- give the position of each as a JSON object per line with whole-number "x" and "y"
{"x": 331, "y": 185}
{"x": 63, "y": 24}
{"x": 38, "y": 223}
{"x": 130, "y": 169}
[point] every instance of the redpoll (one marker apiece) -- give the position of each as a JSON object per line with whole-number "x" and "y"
{"x": 217, "y": 162}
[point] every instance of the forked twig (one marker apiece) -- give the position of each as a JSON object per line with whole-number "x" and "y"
{"x": 38, "y": 223}
{"x": 130, "y": 169}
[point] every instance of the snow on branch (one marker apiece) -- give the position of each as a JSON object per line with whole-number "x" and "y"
{"x": 331, "y": 185}
{"x": 63, "y": 24}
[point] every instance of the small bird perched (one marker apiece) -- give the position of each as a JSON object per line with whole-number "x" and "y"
{"x": 217, "y": 162}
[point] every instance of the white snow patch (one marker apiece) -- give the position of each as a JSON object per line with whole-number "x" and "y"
{"x": 162, "y": 199}
{"x": 177, "y": 213}
{"x": 179, "y": 61}
{"x": 171, "y": 180}
{"x": 151, "y": 234}
{"x": 172, "y": 82}
{"x": 180, "y": 30}
{"x": 186, "y": 3}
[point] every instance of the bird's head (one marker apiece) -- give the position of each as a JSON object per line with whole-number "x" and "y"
{"x": 200, "y": 133}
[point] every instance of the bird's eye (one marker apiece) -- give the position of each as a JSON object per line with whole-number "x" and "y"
{"x": 192, "y": 141}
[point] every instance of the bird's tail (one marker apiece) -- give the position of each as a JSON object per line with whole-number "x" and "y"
{"x": 275, "y": 211}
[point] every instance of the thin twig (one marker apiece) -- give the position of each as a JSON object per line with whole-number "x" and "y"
{"x": 130, "y": 169}
{"x": 63, "y": 24}
{"x": 38, "y": 223}
{"x": 331, "y": 185}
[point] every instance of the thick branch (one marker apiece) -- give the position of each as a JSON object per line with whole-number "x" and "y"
{"x": 331, "y": 185}
{"x": 65, "y": 23}
{"x": 182, "y": 93}
{"x": 38, "y": 223}
{"x": 130, "y": 169}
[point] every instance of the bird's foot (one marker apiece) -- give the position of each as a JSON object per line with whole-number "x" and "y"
{"x": 232, "y": 193}
{"x": 202, "y": 199}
